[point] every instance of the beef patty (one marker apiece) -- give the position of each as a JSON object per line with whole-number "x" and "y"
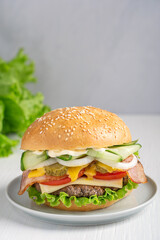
{"x": 82, "y": 190}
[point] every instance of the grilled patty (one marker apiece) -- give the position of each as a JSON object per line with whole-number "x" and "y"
{"x": 81, "y": 190}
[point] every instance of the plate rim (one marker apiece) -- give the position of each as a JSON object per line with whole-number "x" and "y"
{"x": 70, "y": 216}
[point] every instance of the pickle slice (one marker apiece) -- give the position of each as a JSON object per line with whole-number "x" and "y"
{"x": 100, "y": 169}
{"x": 56, "y": 170}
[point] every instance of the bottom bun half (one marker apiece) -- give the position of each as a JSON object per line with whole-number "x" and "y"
{"x": 88, "y": 207}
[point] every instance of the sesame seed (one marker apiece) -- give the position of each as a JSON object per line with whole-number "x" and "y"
{"x": 40, "y": 132}
{"x": 65, "y": 130}
{"x": 59, "y": 136}
{"x": 68, "y": 134}
{"x": 66, "y": 139}
{"x": 71, "y": 133}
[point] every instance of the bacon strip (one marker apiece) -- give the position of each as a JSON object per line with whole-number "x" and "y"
{"x": 128, "y": 159}
{"x": 136, "y": 174}
{"x": 26, "y": 182}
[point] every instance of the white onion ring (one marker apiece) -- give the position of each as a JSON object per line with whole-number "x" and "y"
{"x": 119, "y": 165}
{"x": 47, "y": 162}
{"x": 76, "y": 162}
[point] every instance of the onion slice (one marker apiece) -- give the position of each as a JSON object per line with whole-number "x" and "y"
{"x": 120, "y": 165}
{"x": 47, "y": 162}
{"x": 76, "y": 162}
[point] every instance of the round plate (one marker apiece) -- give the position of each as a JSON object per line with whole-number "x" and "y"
{"x": 126, "y": 207}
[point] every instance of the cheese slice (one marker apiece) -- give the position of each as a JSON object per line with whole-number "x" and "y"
{"x": 90, "y": 171}
{"x": 73, "y": 172}
{"x": 84, "y": 181}
{"x": 36, "y": 173}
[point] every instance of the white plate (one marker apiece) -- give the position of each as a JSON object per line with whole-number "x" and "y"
{"x": 128, "y": 206}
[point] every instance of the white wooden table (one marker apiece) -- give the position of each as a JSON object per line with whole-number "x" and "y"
{"x": 145, "y": 225}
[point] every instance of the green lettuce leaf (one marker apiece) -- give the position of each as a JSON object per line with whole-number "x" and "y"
{"x": 1, "y": 115}
{"x": 18, "y": 106}
{"x": 55, "y": 200}
{"x": 20, "y": 67}
{"x": 6, "y": 145}
{"x": 137, "y": 154}
{"x": 14, "y": 118}
{"x": 21, "y": 107}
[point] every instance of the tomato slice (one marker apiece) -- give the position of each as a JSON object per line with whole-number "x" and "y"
{"x": 110, "y": 176}
{"x": 57, "y": 182}
{"x": 81, "y": 173}
{"x": 64, "y": 180}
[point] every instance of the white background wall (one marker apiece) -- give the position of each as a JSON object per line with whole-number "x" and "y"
{"x": 89, "y": 52}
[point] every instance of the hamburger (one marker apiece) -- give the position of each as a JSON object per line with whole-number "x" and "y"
{"x": 79, "y": 159}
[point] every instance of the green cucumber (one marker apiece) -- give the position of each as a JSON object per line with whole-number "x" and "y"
{"x": 125, "y": 151}
{"x": 68, "y": 157}
{"x": 125, "y": 144}
{"x": 30, "y": 159}
{"x": 106, "y": 155}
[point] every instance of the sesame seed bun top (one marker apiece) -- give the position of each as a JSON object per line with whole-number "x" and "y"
{"x": 75, "y": 128}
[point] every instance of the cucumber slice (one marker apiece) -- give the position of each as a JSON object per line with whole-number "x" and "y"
{"x": 125, "y": 151}
{"x": 67, "y": 157}
{"x": 106, "y": 155}
{"x": 125, "y": 144}
{"x": 29, "y": 159}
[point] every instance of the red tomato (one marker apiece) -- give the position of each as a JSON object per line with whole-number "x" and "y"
{"x": 57, "y": 182}
{"x": 81, "y": 173}
{"x": 63, "y": 180}
{"x": 110, "y": 176}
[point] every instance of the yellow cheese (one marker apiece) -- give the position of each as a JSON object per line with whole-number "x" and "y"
{"x": 74, "y": 171}
{"x": 106, "y": 167}
{"x": 90, "y": 171}
{"x": 36, "y": 173}
{"x": 84, "y": 181}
